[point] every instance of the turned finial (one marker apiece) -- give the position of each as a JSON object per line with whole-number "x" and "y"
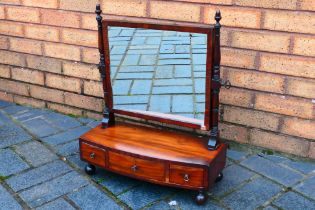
{"x": 217, "y": 18}
{"x": 98, "y": 10}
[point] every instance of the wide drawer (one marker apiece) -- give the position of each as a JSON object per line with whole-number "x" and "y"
{"x": 93, "y": 154}
{"x": 144, "y": 168}
{"x": 185, "y": 175}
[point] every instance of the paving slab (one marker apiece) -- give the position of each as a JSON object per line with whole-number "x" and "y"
{"x": 293, "y": 201}
{"x": 58, "y": 204}
{"x": 5, "y": 104}
{"x": 12, "y": 134}
{"x": 40, "y": 127}
{"x": 11, "y": 163}
{"x": 307, "y": 187}
{"x": 61, "y": 121}
{"x": 68, "y": 148}
{"x": 14, "y": 109}
{"x": 90, "y": 197}
{"x": 7, "y": 201}
{"x": 236, "y": 155}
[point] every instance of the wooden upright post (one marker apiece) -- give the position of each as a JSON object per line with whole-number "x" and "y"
{"x": 215, "y": 86}
{"x": 108, "y": 116}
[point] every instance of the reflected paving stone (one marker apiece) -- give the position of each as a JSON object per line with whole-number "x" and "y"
{"x": 118, "y": 50}
{"x": 130, "y": 60}
{"x": 135, "y": 75}
{"x": 273, "y": 171}
{"x": 35, "y": 153}
{"x": 50, "y": 190}
{"x": 236, "y": 155}
{"x": 182, "y": 71}
{"x": 164, "y": 72}
{"x": 10, "y": 163}
{"x": 121, "y": 87}
{"x": 160, "y": 103}
{"x": 90, "y": 197}
{"x": 252, "y": 195}
{"x": 115, "y": 183}
{"x": 291, "y": 200}
{"x": 174, "y": 61}
{"x": 5, "y": 104}
{"x": 66, "y": 136}
{"x": 172, "y": 90}
{"x": 142, "y": 107}
{"x": 7, "y": 201}
{"x": 185, "y": 200}
{"x": 141, "y": 87}
{"x": 182, "y": 103}
{"x": 234, "y": 175}
{"x": 144, "y": 194}
{"x": 147, "y": 60}
{"x": 168, "y": 82}
{"x": 12, "y": 134}
{"x": 168, "y": 49}
{"x": 182, "y": 48}
{"x": 136, "y": 69}
{"x": 307, "y": 187}
{"x": 154, "y": 40}
{"x": 138, "y": 40}
{"x": 199, "y": 85}
{"x": 61, "y": 121}
{"x": 37, "y": 175}
{"x": 68, "y": 148}
{"x": 199, "y": 59}
{"x": 60, "y": 203}
{"x": 40, "y": 127}
{"x": 131, "y": 99}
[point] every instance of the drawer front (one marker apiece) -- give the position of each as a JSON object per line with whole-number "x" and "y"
{"x": 148, "y": 169}
{"x": 93, "y": 154}
{"x": 185, "y": 175}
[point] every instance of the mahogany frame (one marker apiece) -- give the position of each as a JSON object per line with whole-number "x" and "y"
{"x": 212, "y": 84}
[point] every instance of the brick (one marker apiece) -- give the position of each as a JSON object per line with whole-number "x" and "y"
{"x": 14, "y": 87}
{"x": 88, "y": 22}
{"x": 27, "y": 75}
{"x": 4, "y": 71}
{"x": 85, "y": 102}
{"x": 293, "y": 145}
{"x": 93, "y": 115}
{"x": 175, "y": 11}
{"x": 255, "y": 80}
{"x": 4, "y": 43}
{"x": 285, "y": 105}
{"x": 237, "y": 97}
{"x": 11, "y": 28}
{"x": 226, "y": 2}
{"x": 23, "y": 14}
{"x": 278, "y": 4}
{"x": 233, "y": 132}
{"x": 93, "y": 88}
{"x": 25, "y": 46}
{"x": 29, "y": 101}
{"x": 60, "y": 18}
{"x": 235, "y": 17}
{"x": 300, "y": 87}
{"x": 80, "y": 37}
{"x": 79, "y": 5}
{"x": 300, "y": 22}
{"x": 81, "y": 70}
{"x": 12, "y": 58}
{"x": 63, "y": 83}
{"x": 238, "y": 58}
{"x": 2, "y": 15}
{"x": 125, "y": 7}
{"x": 63, "y": 51}
{"x": 289, "y": 65}
{"x": 251, "y": 118}
{"x": 304, "y": 45}
{"x": 90, "y": 55}
{"x": 42, "y": 32}
{"x": 6, "y": 96}
{"x": 307, "y": 5}
{"x": 312, "y": 150}
{"x": 43, "y": 63}
{"x": 299, "y": 127}
{"x": 64, "y": 109}
{"x": 46, "y": 94}
{"x": 42, "y": 3}
{"x": 272, "y": 42}
{"x": 16, "y": 2}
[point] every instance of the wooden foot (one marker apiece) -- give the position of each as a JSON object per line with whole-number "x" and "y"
{"x": 219, "y": 178}
{"x": 201, "y": 197}
{"x": 90, "y": 169}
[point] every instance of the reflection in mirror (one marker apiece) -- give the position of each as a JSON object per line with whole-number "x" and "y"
{"x": 158, "y": 71}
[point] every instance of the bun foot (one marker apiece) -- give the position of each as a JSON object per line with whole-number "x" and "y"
{"x": 219, "y": 178}
{"x": 90, "y": 169}
{"x": 201, "y": 197}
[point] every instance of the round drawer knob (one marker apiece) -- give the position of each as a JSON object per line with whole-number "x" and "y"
{"x": 134, "y": 168}
{"x": 92, "y": 155}
{"x": 186, "y": 177}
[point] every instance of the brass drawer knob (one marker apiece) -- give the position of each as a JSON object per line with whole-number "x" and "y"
{"x": 92, "y": 155}
{"x": 134, "y": 168}
{"x": 186, "y": 177}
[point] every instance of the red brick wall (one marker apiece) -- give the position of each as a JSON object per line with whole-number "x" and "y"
{"x": 268, "y": 50}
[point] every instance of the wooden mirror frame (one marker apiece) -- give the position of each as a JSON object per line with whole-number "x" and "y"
{"x": 212, "y": 81}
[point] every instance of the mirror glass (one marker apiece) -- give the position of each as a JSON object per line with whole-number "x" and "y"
{"x": 158, "y": 71}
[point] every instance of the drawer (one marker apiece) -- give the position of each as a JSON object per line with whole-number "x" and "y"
{"x": 185, "y": 175}
{"x": 148, "y": 169}
{"x": 93, "y": 154}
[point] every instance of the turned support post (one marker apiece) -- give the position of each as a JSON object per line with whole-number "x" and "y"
{"x": 108, "y": 116}
{"x": 215, "y": 87}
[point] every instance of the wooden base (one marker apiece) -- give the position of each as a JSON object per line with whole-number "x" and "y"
{"x": 162, "y": 157}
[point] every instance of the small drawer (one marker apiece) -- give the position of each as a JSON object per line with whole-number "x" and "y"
{"x": 185, "y": 175}
{"x": 148, "y": 169}
{"x": 93, "y": 154}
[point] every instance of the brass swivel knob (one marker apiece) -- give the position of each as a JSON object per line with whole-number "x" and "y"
{"x": 134, "y": 168}
{"x": 186, "y": 177}
{"x": 92, "y": 155}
